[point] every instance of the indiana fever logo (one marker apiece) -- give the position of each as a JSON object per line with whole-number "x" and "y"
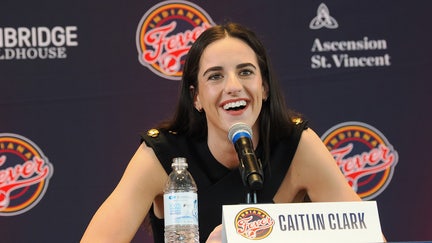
{"x": 24, "y": 174}
{"x": 165, "y": 34}
{"x": 364, "y": 155}
{"x": 253, "y": 223}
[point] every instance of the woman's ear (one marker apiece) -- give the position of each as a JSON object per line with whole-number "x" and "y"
{"x": 194, "y": 94}
{"x": 265, "y": 90}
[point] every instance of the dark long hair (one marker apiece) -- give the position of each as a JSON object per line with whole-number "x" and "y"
{"x": 275, "y": 119}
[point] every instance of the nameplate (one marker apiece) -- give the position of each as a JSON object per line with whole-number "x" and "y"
{"x": 302, "y": 222}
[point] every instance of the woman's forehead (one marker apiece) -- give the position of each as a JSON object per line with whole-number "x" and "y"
{"x": 227, "y": 51}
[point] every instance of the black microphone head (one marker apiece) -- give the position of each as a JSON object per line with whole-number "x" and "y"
{"x": 240, "y": 134}
{"x": 239, "y": 130}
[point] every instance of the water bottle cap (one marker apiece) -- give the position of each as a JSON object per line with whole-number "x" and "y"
{"x": 179, "y": 162}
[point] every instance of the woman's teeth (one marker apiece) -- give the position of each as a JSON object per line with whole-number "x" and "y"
{"x": 235, "y": 105}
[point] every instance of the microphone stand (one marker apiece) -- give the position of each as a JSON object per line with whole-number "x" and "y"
{"x": 251, "y": 197}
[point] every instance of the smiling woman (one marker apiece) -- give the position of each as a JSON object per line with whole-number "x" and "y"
{"x": 226, "y": 79}
{"x": 229, "y": 78}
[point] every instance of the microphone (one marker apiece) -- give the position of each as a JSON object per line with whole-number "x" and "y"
{"x": 240, "y": 134}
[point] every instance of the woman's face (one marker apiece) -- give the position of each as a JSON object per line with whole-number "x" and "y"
{"x": 230, "y": 86}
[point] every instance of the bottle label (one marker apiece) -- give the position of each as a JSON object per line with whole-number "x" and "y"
{"x": 181, "y": 208}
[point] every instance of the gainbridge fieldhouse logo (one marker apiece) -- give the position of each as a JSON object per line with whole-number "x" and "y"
{"x": 253, "y": 223}
{"x": 24, "y": 174}
{"x": 165, "y": 34}
{"x": 364, "y": 155}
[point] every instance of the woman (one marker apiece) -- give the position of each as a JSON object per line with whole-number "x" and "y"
{"x": 226, "y": 79}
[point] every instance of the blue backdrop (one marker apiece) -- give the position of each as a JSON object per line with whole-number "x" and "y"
{"x": 73, "y": 88}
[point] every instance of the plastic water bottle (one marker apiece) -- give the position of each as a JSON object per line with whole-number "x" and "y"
{"x": 181, "y": 205}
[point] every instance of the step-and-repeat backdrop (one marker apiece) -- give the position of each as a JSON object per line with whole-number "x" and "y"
{"x": 79, "y": 80}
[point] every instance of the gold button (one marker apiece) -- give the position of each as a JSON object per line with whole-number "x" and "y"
{"x": 153, "y": 133}
{"x": 297, "y": 120}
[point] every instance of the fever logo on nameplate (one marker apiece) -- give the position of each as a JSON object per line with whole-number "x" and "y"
{"x": 24, "y": 174}
{"x": 364, "y": 155}
{"x": 253, "y": 223}
{"x": 166, "y": 33}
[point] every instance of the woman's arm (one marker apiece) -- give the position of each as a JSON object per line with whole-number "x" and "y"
{"x": 317, "y": 172}
{"x": 119, "y": 217}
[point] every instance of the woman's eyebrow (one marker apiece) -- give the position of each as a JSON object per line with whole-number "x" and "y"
{"x": 211, "y": 69}
{"x": 248, "y": 64}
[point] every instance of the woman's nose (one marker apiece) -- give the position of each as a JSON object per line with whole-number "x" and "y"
{"x": 233, "y": 84}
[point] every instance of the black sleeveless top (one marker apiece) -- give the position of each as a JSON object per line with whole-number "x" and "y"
{"x": 217, "y": 185}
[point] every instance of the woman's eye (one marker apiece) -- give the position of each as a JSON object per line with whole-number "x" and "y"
{"x": 215, "y": 76}
{"x": 246, "y": 72}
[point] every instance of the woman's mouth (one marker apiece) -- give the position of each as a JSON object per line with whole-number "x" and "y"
{"x": 235, "y": 106}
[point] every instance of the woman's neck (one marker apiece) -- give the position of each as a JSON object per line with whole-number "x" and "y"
{"x": 223, "y": 150}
